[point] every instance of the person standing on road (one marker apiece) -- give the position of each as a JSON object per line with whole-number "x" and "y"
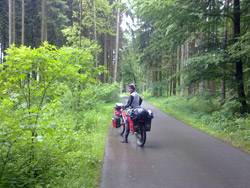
{"x": 134, "y": 101}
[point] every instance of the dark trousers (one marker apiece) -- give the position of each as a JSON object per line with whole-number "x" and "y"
{"x": 127, "y": 129}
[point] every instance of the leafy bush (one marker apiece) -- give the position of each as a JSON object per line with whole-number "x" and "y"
{"x": 52, "y": 124}
{"x": 107, "y": 92}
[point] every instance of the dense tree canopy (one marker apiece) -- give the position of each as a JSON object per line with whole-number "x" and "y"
{"x": 87, "y": 23}
{"x": 197, "y": 46}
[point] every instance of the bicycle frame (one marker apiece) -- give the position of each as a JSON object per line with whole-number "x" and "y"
{"x": 128, "y": 120}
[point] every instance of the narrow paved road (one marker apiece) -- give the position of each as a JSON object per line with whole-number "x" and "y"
{"x": 174, "y": 156}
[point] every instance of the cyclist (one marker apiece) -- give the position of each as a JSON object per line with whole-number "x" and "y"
{"x": 134, "y": 101}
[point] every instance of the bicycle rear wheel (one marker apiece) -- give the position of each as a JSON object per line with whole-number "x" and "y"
{"x": 141, "y": 136}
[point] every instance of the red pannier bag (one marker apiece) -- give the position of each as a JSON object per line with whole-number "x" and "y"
{"x": 116, "y": 121}
{"x": 131, "y": 124}
{"x": 116, "y": 117}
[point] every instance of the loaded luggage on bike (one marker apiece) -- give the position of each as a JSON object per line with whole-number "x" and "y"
{"x": 139, "y": 121}
{"x": 141, "y": 115}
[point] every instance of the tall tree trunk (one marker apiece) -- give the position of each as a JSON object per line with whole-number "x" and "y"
{"x": 213, "y": 87}
{"x": 174, "y": 71}
{"x": 1, "y": 52}
{"x": 154, "y": 78}
{"x": 171, "y": 80}
{"x": 187, "y": 57}
{"x": 110, "y": 68}
{"x": 182, "y": 68}
{"x": 223, "y": 78}
{"x": 43, "y": 34}
{"x": 238, "y": 65}
{"x": 4, "y": 46}
{"x": 80, "y": 25}
{"x": 10, "y": 22}
{"x": 14, "y": 22}
{"x": 208, "y": 86}
{"x": 117, "y": 42}
{"x": 169, "y": 72}
{"x": 43, "y": 22}
{"x": 160, "y": 79}
{"x": 167, "y": 76}
{"x": 23, "y": 12}
{"x": 201, "y": 83}
{"x": 179, "y": 66}
{"x": 201, "y": 87}
{"x": 46, "y": 27}
{"x": 194, "y": 89}
{"x": 192, "y": 53}
{"x": 95, "y": 35}
{"x": 105, "y": 57}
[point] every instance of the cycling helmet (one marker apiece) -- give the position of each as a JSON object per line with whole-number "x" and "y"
{"x": 132, "y": 86}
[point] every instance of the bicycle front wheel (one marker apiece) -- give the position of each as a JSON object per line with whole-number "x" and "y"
{"x": 121, "y": 128}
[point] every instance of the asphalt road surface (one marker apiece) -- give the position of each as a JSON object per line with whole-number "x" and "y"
{"x": 175, "y": 156}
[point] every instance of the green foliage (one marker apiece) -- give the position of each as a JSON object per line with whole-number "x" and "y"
{"x": 107, "y": 92}
{"x": 159, "y": 86}
{"x": 52, "y": 129}
{"x": 130, "y": 72}
{"x": 205, "y": 66}
{"x": 205, "y": 113}
{"x": 57, "y": 20}
{"x": 103, "y": 11}
{"x": 241, "y": 49}
{"x": 185, "y": 43}
{"x": 101, "y": 22}
{"x": 72, "y": 34}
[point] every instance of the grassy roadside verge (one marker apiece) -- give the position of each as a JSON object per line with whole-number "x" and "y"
{"x": 87, "y": 161}
{"x": 207, "y": 116}
{"x": 97, "y": 140}
{"x": 104, "y": 117}
{"x": 71, "y": 155}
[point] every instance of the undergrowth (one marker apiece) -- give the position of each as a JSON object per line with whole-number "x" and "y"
{"x": 54, "y": 115}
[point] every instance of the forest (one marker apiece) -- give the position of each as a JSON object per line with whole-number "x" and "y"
{"x": 63, "y": 64}
{"x": 193, "y": 59}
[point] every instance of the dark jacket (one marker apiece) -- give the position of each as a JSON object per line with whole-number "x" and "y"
{"x": 134, "y": 100}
